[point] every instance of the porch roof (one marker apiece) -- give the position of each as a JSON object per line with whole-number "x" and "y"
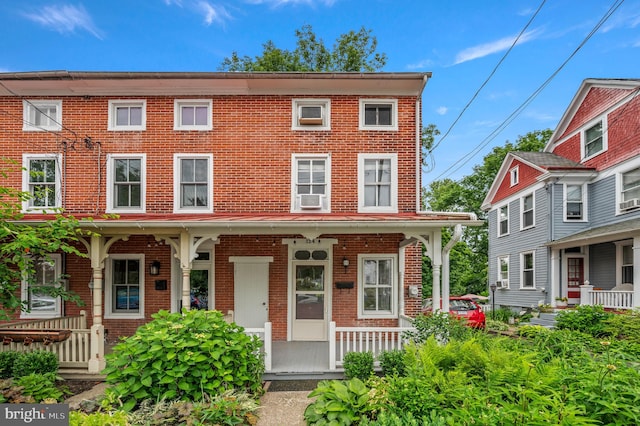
{"x": 617, "y": 231}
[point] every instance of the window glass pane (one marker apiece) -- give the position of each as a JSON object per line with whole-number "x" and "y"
{"x": 134, "y": 170}
{"x": 122, "y": 195}
{"x": 187, "y": 170}
{"x": 384, "y": 195}
{"x": 310, "y": 306}
{"x": 574, "y": 193}
{"x": 593, "y": 143}
{"x": 384, "y": 299}
{"x": 369, "y": 299}
{"x": 201, "y": 196}
{"x": 528, "y": 261}
{"x": 631, "y": 185}
{"x": 37, "y": 171}
{"x": 369, "y": 195}
{"x": 135, "y": 196}
{"x": 201, "y": 170}
{"x": 304, "y": 171}
{"x": 318, "y": 172}
{"x": 188, "y": 115}
{"x": 310, "y": 278}
{"x": 133, "y": 274}
{"x": 384, "y": 272}
{"x": 202, "y": 113}
{"x": 370, "y": 116}
{"x": 369, "y": 171}
{"x": 311, "y": 112}
{"x": 136, "y": 116}
{"x": 384, "y": 115}
{"x": 574, "y": 210}
{"x": 627, "y": 255}
{"x": 370, "y": 272}
{"x": 122, "y": 116}
{"x": 121, "y": 170}
{"x": 119, "y": 271}
{"x": 384, "y": 171}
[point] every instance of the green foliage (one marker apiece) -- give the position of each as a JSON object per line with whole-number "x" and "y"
{"x": 183, "y": 356}
{"x": 502, "y": 314}
{"x": 117, "y": 418}
{"x": 492, "y": 325}
{"x": 352, "y": 52}
{"x": 6, "y": 363}
{"x": 358, "y": 364}
{"x": 40, "y": 387}
{"x": 585, "y": 319}
{"x": 339, "y": 403}
{"x": 624, "y": 325}
{"x": 38, "y": 362}
{"x": 439, "y": 325}
{"x": 392, "y": 363}
{"x": 404, "y": 419}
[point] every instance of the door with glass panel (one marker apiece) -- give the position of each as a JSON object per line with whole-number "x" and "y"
{"x": 309, "y": 302}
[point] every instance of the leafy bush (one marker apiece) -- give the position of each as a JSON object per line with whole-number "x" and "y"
{"x": 586, "y": 319}
{"x": 624, "y": 325}
{"x": 440, "y": 325}
{"x": 502, "y": 315}
{"x": 183, "y": 356}
{"x": 492, "y": 325}
{"x": 36, "y": 362}
{"x": 41, "y": 387}
{"x": 358, "y": 364}
{"x": 392, "y": 363}
{"x": 6, "y": 363}
{"x": 339, "y": 403}
{"x": 117, "y": 418}
{"x": 404, "y": 419}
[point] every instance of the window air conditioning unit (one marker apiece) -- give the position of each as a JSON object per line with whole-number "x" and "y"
{"x": 502, "y": 283}
{"x": 631, "y": 204}
{"x": 310, "y": 115}
{"x": 310, "y": 201}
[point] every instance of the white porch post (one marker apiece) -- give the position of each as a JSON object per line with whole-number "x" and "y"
{"x": 268, "y": 354}
{"x": 97, "y": 362}
{"x": 636, "y": 272}
{"x": 585, "y": 289}
{"x": 436, "y": 262}
{"x": 332, "y": 345}
{"x": 185, "y": 264}
{"x": 554, "y": 285}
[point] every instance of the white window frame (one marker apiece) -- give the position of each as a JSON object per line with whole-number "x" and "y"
{"x": 499, "y": 276}
{"x": 514, "y": 176}
{"x": 179, "y": 104}
{"x": 114, "y": 104}
{"x": 24, "y": 292}
{"x": 177, "y": 158}
{"x": 393, "y": 103}
{"x": 499, "y": 220}
{"x": 619, "y": 188}
{"x": 32, "y": 108}
{"x": 583, "y": 138}
{"x": 295, "y": 198}
{"x": 393, "y": 208}
{"x": 108, "y": 287}
{"x": 523, "y": 270}
{"x": 298, "y": 104}
{"x": 26, "y": 182}
{"x": 583, "y": 200}
{"x": 111, "y": 197}
{"x": 393, "y": 313}
{"x": 532, "y": 210}
{"x": 620, "y": 245}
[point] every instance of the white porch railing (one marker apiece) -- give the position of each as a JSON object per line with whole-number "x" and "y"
{"x": 265, "y": 335}
{"x": 362, "y": 339}
{"x": 609, "y": 299}
{"x": 61, "y": 323}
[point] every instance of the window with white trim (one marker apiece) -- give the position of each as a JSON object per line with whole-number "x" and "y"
{"x": 311, "y": 183}
{"x": 377, "y": 183}
{"x": 124, "y": 292}
{"x": 127, "y": 115}
{"x": 594, "y": 140}
{"x": 378, "y": 114}
{"x": 192, "y": 114}
{"x": 503, "y": 220}
{"x": 514, "y": 176}
{"x": 40, "y": 304}
{"x": 311, "y": 114}
{"x": 503, "y": 271}
{"x": 41, "y": 179}
{"x": 629, "y": 184}
{"x": 627, "y": 264}
{"x": 126, "y": 183}
{"x": 377, "y": 286}
{"x": 41, "y": 115}
{"x": 528, "y": 216}
{"x": 193, "y": 183}
{"x": 527, "y": 270}
{"x": 574, "y": 202}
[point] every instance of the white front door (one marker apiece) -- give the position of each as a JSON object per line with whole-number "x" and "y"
{"x": 251, "y": 290}
{"x": 309, "y": 302}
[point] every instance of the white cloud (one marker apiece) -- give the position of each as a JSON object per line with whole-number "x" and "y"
{"x": 420, "y": 65}
{"x": 627, "y": 20}
{"x": 276, "y": 3}
{"x": 212, "y": 13}
{"x": 442, "y": 110}
{"x": 486, "y": 49}
{"x": 65, "y": 19}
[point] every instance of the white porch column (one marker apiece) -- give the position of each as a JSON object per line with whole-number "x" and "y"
{"x": 636, "y": 272}
{"x": 554, "y": 285}
{"x": 584, "y": 293}
{"x": 436, "y": 263}
{"x": 332, "y": 345}
{"x": 185, "y": 264}
{"x": 97, "y": 362}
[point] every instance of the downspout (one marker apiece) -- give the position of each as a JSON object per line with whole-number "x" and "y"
{"x": 457, "y": 234}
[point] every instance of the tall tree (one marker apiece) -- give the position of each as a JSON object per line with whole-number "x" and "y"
{"x": 352, "y": 52}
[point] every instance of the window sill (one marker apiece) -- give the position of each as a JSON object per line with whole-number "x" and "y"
{"x": 123, "y": 316}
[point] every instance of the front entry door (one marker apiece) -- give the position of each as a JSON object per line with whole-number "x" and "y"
{"x": 251, "y": 291}
{"x": 309, "y": 304}
{"x": 575, "y": 276}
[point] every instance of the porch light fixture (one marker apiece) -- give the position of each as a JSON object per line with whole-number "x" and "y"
{"x": 345, "y": 263}
{"x": 154, "y": 268}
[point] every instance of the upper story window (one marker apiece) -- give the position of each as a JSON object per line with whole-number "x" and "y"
{"x": 310, "y": 183}
{"x": 377, "y": 286}
{"x": 41, "y": 115}
{"x": 127, "y": 115}
{"x": 378, "y": 114}
{"x": 574, "y": 202}
{"x": 40, "y": 304}
{"x": 503, "y": 271}
{"x": 629, "y": 184}
{"x": 192, "y": 114}
{"x": 514, "y": 176}
{"x": 41, "y": 180}
{"x": 124, "y": 292}
{"x": 378, "y": 183}
{"x": 594, "y": 140}
{"x": 126, "y": 183}
{"x": 528, "y": 217}
{"x": 311, "y": 114}
{"x": 503, "y": 220}
{"x": 527, "y": 269}
{"x": 193, "y": 183}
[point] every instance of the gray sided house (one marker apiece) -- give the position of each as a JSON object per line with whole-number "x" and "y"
{"x": 564, "y": 224}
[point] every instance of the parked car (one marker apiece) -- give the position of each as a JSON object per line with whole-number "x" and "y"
{"x": 463, "y": 308}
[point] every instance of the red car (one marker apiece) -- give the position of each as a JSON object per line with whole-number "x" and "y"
{"x": 462, "y": 308}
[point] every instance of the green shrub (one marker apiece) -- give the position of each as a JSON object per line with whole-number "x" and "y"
{"x": 624, "y": 325}
{"x": 404, "y": 419}
{"x": 392, "y": 363}
{"x": 6, "y": 363}
{"x": 36, "y": 362}
{"x": 586, "y": 319}
{"x": 339, "y": 403}
{"x": 502, "y": 315}
{"x": 78, "y": 418}
{"x": 183, "y": 356}
{"x": 438, "y": 325}
{"x": 40, "y": 387}
{"x": 358, "y": 364}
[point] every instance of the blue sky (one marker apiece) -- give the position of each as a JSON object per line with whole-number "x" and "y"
{"x": 460, "y": 42}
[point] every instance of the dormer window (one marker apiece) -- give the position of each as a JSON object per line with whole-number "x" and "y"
{"x": 311, "y": 114}
{"x": 514, "y": 176}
